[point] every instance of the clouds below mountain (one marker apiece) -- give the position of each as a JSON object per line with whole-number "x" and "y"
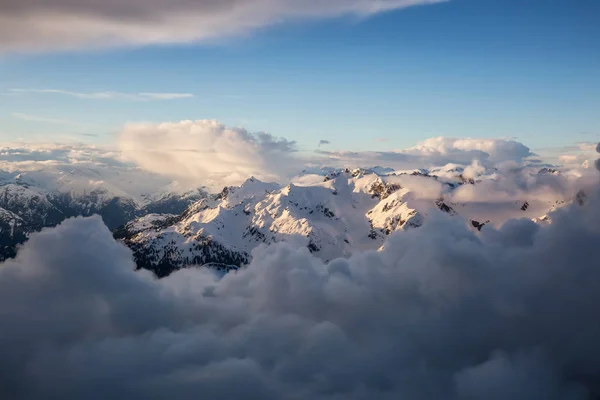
{"x": 440, "y": 313}
{"x": 42, "y": 25}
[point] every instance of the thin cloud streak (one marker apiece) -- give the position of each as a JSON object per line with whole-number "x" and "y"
{"x": 109, "y": 95}
{"x": 35, "y": 118}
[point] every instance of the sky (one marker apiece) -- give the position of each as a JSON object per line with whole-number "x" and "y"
{"x": 338, "y": 78}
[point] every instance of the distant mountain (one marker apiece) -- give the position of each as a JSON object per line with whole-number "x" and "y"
{"x": 27, "y": 208}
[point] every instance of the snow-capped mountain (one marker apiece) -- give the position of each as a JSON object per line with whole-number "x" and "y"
{"x": 30, "y": 201}
{"x": 333, "y": 216}
{"x": 333, "y": 212}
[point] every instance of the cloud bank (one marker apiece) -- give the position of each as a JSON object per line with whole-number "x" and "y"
{"x": 436, "y": 152}
{"x": 208, "y": 152}
{"x": 42, "y": 25}
{"x": 509, "y": 313}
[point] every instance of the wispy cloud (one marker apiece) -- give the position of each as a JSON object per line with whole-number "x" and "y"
{"x": 109, "y": 95}
{"x": 36, "y": 118}
{"x": 324, "y": 142}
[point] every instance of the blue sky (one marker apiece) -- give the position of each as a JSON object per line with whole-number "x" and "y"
{"x": 464, "y": 68}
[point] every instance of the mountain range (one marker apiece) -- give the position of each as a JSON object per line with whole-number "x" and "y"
{"x": 332, "y": 216}
{"x": 331, "y": 212}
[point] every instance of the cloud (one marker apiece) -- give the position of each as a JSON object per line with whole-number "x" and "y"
{"x": 492, "y": 150}
{"x": 323, "y": 142}
{"x": 35, "y": 118}
{"x": 435, "y": 152}
{"x": 109, "y": 95}
{"x": 508, "y": 313}
{"x": 580, "y": 155}
{"x": 513, "y": 182}
{"x": 209, "y": 153}
{"x": 70, "y": 167}
{"x": 206, "y": 152}
{"x": 42, "y": 25}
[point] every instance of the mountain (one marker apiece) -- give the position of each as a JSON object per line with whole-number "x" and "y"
{"x": 29, "y": 203}
{"x": 13, "y": 231}
{"x": 333, "y": 216}
{"x": 171, "y": 202}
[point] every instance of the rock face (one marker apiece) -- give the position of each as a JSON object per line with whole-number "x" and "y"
{"x": 347, "y": 211}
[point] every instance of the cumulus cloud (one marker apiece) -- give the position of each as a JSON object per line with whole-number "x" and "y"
{"x": 509, "y": 313}
{"x": 461, "y": 150}
{"x": 67, "y": 24}
{"x": 144, "y": 96}
{"x": 435, "y": 152}
{"x": 206, "y": 152}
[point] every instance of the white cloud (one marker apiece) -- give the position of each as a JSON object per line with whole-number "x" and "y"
{"x": 440, "y": 313}
{"x": 435, "y": 152}
{"x": 109, "y": 95}
{"x": 207, "y": 152}
{"x": 492, "y": 150}
{"x": 581, "y": 154}
{"x": 42, "y": 25}
{"x": 71, "y": 167}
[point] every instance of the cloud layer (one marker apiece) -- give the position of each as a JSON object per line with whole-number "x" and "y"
{"x": 510, "y": 313}
{"x": 27, "y": 25}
